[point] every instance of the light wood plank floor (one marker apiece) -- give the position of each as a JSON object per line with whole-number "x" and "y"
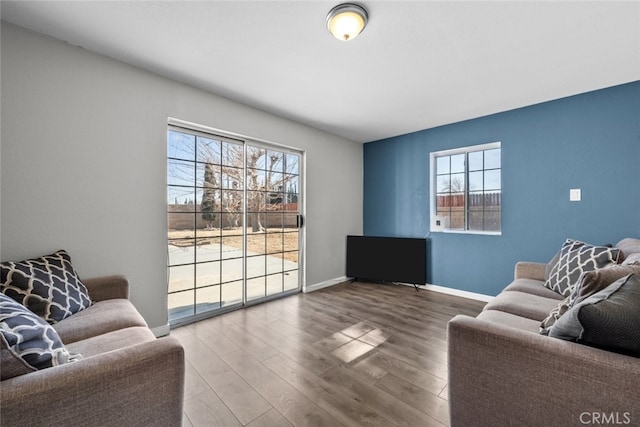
{"x": 353, "y": 354}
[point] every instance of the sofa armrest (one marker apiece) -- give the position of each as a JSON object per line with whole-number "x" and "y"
{"x": 530, "y": 270}
{"x": 107, "y": 287}
{"x": 140, "y": 385}
{"x": 500, "y": 375}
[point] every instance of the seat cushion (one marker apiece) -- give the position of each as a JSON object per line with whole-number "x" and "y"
{"x": 534, "y": 287}
{"x": 112, "y": 341}
{"x": 522, "y": 304}
{"x": 511, "y": 320}
{"x": 629, "y": 246}
{"x": 632, "y": 259}
{"x": 100, "y": 318}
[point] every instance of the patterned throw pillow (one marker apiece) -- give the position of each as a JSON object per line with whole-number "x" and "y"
{"x": 28, "y": 343}
{"x": 577, "y": 258}
{"x": 554, "y": 315}
{"x": 49, "y": 286}
{"x": 549, "y": 267}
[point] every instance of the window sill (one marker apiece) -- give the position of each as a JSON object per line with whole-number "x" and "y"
{"x": 482, "y": 233}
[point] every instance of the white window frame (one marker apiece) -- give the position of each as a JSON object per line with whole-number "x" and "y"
{"x": 434, "y": 191}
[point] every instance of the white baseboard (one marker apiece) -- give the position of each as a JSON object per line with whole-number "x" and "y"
{"x": 325, "y": 284}
{"x": 428, "y": 287}
{"x": 455, "y": 292}
{"x": 161, "y": 331}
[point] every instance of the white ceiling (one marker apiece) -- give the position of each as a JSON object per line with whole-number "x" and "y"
{"x": 417, "y": 65}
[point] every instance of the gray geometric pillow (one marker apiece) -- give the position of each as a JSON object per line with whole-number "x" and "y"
{"x": 49, "y": 286}
{"x": 28, "y": 343}
{"x": 553, "y": 316}
{"x": 577, "y": 258}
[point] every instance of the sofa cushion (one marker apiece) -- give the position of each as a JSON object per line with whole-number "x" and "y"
{"x": 577, "y": 258}
{"x": 632, "y": 259}
{"x": 112, "y": 341}
{"x": 608, "y": 319}
{"x": 49, "y": 286}
{"x": 28, "y": 343}
{"x": 522, "y": 304}
{"x": 511, "y": 320}
{"x": 534, "y": 287}
{"x": 629, "y": 246}
{"x": 101, "y": 317}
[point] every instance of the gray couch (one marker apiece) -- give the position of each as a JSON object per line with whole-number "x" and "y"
{"x": 127, "y": 377}
{"x": 502, "y": 372}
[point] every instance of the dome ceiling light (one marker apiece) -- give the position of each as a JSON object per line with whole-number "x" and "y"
{"x": 346, "y": 21}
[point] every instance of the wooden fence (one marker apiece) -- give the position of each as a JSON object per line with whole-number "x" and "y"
{"x": 484, "y": 211}
{"x": 188, "y": 217}
{"x": 474, "y": 199}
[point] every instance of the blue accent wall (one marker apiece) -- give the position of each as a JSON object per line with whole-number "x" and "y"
{"x": 589, "y": 141}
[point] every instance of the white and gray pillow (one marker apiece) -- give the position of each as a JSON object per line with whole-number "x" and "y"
{"x": 49, "y": 286}
{"x": 557, "y": 312}
{"x": 28, "y": 343}
{"x": 576, "y": 258}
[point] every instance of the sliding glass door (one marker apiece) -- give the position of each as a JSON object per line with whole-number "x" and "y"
{"x": 273, "y": 237}
{"x": 233, "y": 211}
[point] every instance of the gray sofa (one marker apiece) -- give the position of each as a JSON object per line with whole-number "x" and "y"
{"x": 503, "y": 372}
{"x": 127, "y": 377}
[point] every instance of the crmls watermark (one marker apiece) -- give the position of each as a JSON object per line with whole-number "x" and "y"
{"x": 605, "y": 418}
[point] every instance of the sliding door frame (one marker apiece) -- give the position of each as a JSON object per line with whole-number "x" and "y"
{"x": 246, "y": 141}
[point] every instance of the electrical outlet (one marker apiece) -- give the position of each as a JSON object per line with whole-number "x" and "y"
{"x": 439, "y": 223}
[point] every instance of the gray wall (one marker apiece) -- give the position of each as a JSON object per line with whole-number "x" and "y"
{"x": 83, "y": 165}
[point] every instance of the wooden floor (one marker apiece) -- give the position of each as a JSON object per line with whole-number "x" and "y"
{"x": 353, "y": 354}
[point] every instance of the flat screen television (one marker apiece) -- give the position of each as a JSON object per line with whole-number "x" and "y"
{"x": 387, "y": 259}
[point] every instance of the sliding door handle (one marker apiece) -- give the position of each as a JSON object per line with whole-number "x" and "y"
{"x": 299, "y": 221}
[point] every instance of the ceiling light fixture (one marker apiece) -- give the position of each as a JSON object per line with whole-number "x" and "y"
{"x": 346, "y": 21}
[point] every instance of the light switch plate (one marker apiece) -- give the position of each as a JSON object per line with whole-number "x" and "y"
{"x": 575, "y": 195}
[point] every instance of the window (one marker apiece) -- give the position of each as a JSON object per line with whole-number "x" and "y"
{"x": 466, "y": 189}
